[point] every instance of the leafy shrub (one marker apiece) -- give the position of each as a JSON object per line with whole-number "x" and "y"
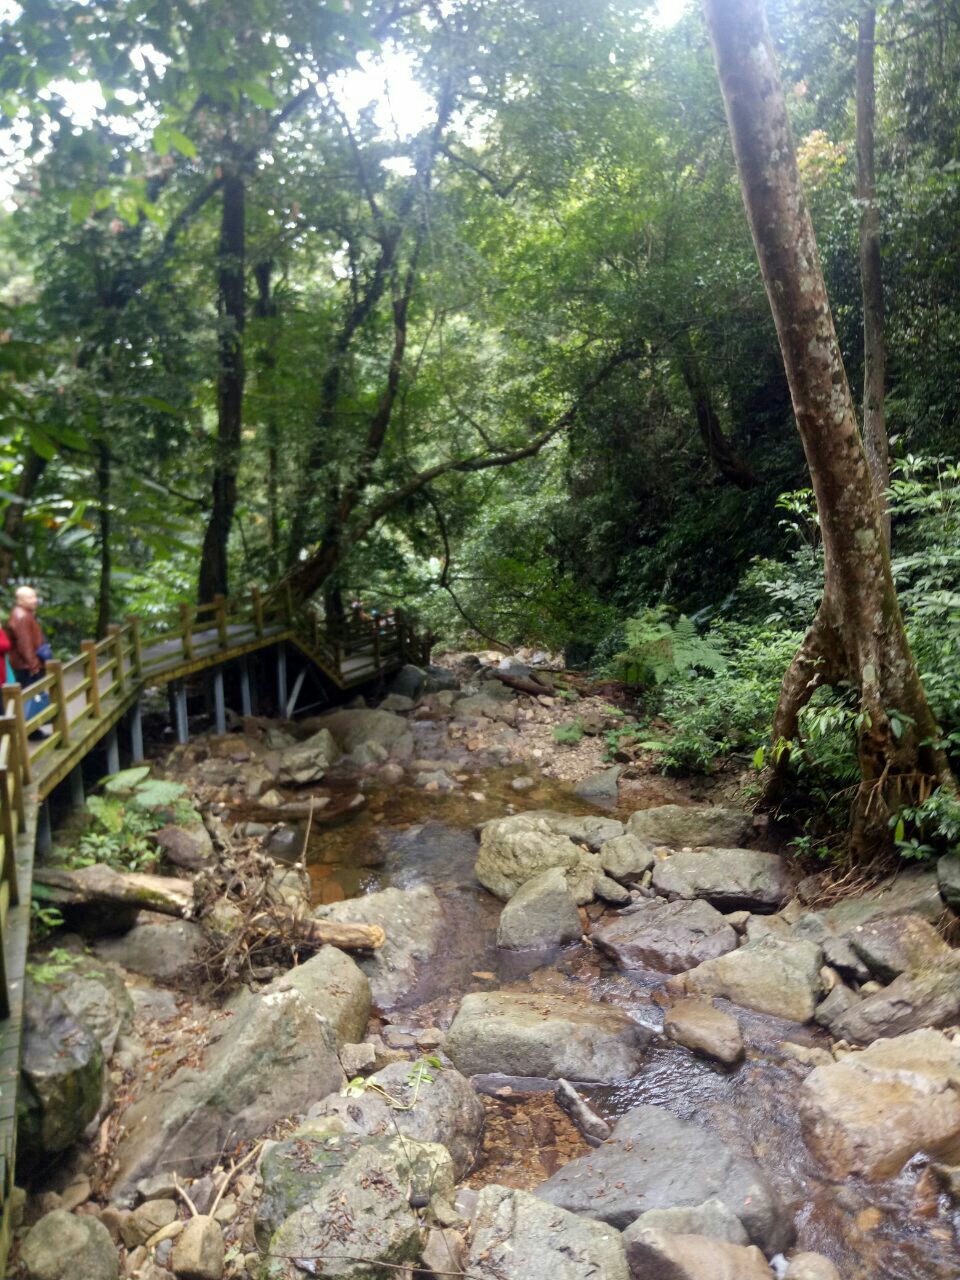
{"x": 658, "y": 648}
{"x": 133, "y": 806}
{"x": 569, "y": 734}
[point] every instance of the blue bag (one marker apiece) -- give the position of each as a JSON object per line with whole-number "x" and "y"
{"x": 45, "y": 651}
{"x": 39, "y": 702}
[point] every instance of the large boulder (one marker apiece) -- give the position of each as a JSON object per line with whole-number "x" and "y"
{"x": 413, "y": 921}
{"x": 518, "y": 1237}
{"x": 586, "y": 829}
{"x": 602, "y": 785}
{"x": 542, "y": 913}
{"x": 356, "y": 725}
{"x": 655, "y": 1161}
{"x": 774, "y": 975}
{"x": 871, "y": 1112}
{"x": 911, "y": 892}
{"x": 98, "y": 998}
{"x": 163, "y": 949}
{"x": 308, "y": 761}
{"x": 898, "y": 944}
{"x": 627, "y": 857}
{"x": 730, "y": 879}
{"x": 188, "y": 845}
{"x": 61, "y": 1076}
{"x": 490, "y": 704}
{"x": 697, "y": 1025}
{"x": 948, "y": 879}
{"x": 680, "y": 826}
{"x": 335, "y": 988}
{"x": 669, "y": 936}
{"x": 533, "y": 1034}
{"x": 711, "y": 1219}
{"x": 655, "y": 1255}
{"x": 426, "y": 1102}
{"x": 275, "y": 1057}
{"x": 62, "y": 1245}
{"x": 909, "y": 1003}
{"x": 340, "y": 1207}
{"x": 513, "y": 850}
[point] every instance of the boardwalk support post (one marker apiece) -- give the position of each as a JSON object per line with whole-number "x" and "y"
{"x": 282, "y": 678}
{"x": 178, "y": 710}
{"x": 77, "y": 796}
{"x": 246, "y": 705}
{"x": 113, "y": 751}
{"x": 136, "y": 732}
{"x": 44, "y": 834}
{"x": 219, "y": 706}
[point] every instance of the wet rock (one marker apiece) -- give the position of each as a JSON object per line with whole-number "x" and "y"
{"x": 489, "y": 705}
{"x": 608, "y": 890}
{"x": 836, "y": 1004}
{"x": 669, "y": 936}
{"x": 840, "y": 955}
{"x": 626, "y": 857}
{"x": 542, "y": 913}
{"x": 435, "y": 780}
{"x": 730, "y": 879}
{"x": 164, "y": 950}
{"x": 285, "y": 844}
{"x": 948, "y": 879}
{"x": 655, "y": 1161}
{"x": 910, "y": 1002}
{"x": 593, "y": 1127}
{"x": 335, "y": 988}
{"x": 772, "y": 976}
{"x": 447, "y": 1110}
{"x": 391, "y": 773}
{"x": 898, "y": 944}
{"x": 601, "y": 785}
{"x": 870, "y": 1112}
{"x": 189, "y": 846}
{"x": 309, "y": 760}
{"x": 62, "y": 1246}
{"x": 274, "y": 1058}
{"x": 398, "y": 703}
{"x": 680, "y": 826}
{"x": 514, "y": 850}
{"x": 811, "y": 1266}
{"x": 352, "y": 727}
{"x": 355, "y": 1192}
{"x": 528, "y": 1034}
{"x": 357, "y": 1059}
{"x": 912, "y": 892}
{"x": 654, "y": 1255}
{"x": 98, "y": 998}
{"x": 697, "y": 1025}
{"x": 61, "y": 1077}
{"x": 587, "y": 830}
{"x": 711, "y": 1219}
{"x": 414, "y": 922}
{"x": 147, "y": 1218}
{"x": 518, "y": 1237}
{"x": 198, "y": 1253}
{"x": 414, "y": 682}
{"x": 523, "y": 784}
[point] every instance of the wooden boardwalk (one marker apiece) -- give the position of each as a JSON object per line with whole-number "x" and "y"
{"x": 89, "y": 695}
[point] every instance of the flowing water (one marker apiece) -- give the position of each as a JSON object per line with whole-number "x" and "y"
{"x": 895, "y": 1230}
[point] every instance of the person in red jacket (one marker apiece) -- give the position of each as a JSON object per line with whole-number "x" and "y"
{"x": 26, "y": 638}
{"x": 5, "y": 669}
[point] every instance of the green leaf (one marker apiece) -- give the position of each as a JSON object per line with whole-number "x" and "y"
{"x": 259, "y": 94}
{"x": 156, "y": 793}
{"x": 126, "y": 780}
{"x": 758, "y": 758}
{"x": 183, "y": 144}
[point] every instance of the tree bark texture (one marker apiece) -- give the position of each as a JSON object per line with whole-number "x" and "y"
{"x": 231, "y": 306}
{"x": 871, "y": 270}
{"x": 858, "y": 634}
{"x": 30, "y": 473}
{"x": 106, "y": 564}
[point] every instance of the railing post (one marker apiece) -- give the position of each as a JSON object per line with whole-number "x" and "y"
{"x": 186, "y": 622}
{"x": 136, "y": 658}
{"x": 220, "y": 603}
{"x": 117, "y": 634}
{"x": 90, "y": 649}
{"x": 13, "y": 698}
{"x": 55, "y": 668}
{"x": 257, "y": 610}
{"x": 16, "y": 765}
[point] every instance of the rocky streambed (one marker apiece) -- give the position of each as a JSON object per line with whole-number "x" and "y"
{"x": 756, "y": 1085}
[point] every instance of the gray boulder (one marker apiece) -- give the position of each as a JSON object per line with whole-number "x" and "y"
{"x": 309, "y": 760}
{"x": 834, "y": 1005}
{"x": 165, "y": 950}
{"x": 413, "y": 920}
{"x": 730, "y": 879}
{"x": 680, "y": 826}
{"x": 910, "y": 1002}
{"x": 669, "y": 936}
{"x": 62, "y": 1246}
{"x": 186, "y": 846}
{"x": 444, "y": 1108}
{"x": 198, "y": 1252}
{"x": 532, "y": 1034}
{"x": 711, "y": 1219}
{"x": 414, "y": 682}
{"x": 697, "y": 1025}
{"x": 655, "y": 1161}
{"x": 97, "y": 997}
{"x": 627, "y": 857}
{"x": 948, "y": 879}
{"x": 656, "y": 1255}
{"x": 774, "y": 975}
{"x": 516, "y": 849}
{"x": 911, "y": 892}
{"x": 518, "y": 1237}
{"x": 491, "y": 705}
{"x": 602, "y": 785}
{"x": 61, "y": 1076}
{"x": 275, "y": 1057}
{"x": 397, "y": 703}
{"x": 542, "y": 913}
{"x": 335, "y": 988}
{"x": 585, "y": 829}
{"x": 354, "y": 726}
{"x": 898, "y": 944}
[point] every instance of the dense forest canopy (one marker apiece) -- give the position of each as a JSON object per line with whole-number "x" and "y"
{"x": 492, "y": 344}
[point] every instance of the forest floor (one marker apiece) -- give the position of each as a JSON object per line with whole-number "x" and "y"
{"x": 393, "y": 840}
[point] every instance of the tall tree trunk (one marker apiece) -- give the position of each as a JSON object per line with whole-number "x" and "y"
{"x": 265, "y": 308}
{"x": 30, "y": 473}
{"x": 871, "y": 271}
{"x": 230, "y": 377}
{"x": 858, "y": 633}
{"x": 719, "y": 449}
{"x": 106, "y": 564}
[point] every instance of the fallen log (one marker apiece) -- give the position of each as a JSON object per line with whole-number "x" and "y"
{"x": 535, "y": 688}
{"x": 593, "y": 1127}
{"x": 100, "y": 885}
{"x": 318, "y": 933}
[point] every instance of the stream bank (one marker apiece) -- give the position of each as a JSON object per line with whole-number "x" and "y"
{"x": 780, "y": 1079}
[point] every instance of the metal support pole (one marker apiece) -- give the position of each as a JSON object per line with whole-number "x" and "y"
{"x": 246, "y": 704}
{"x": 219, "y": 706}
{"x": 77, "y": 796}
{"x": 136, "y": 732}
{"x": 282, "y": 678}
{"x": 113, "y": 751}
{"x": 44, "y": 834}
{"x": 178, "y": 710}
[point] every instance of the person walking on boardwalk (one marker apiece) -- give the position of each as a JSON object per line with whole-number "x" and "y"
{"x": 28, "y": 645}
